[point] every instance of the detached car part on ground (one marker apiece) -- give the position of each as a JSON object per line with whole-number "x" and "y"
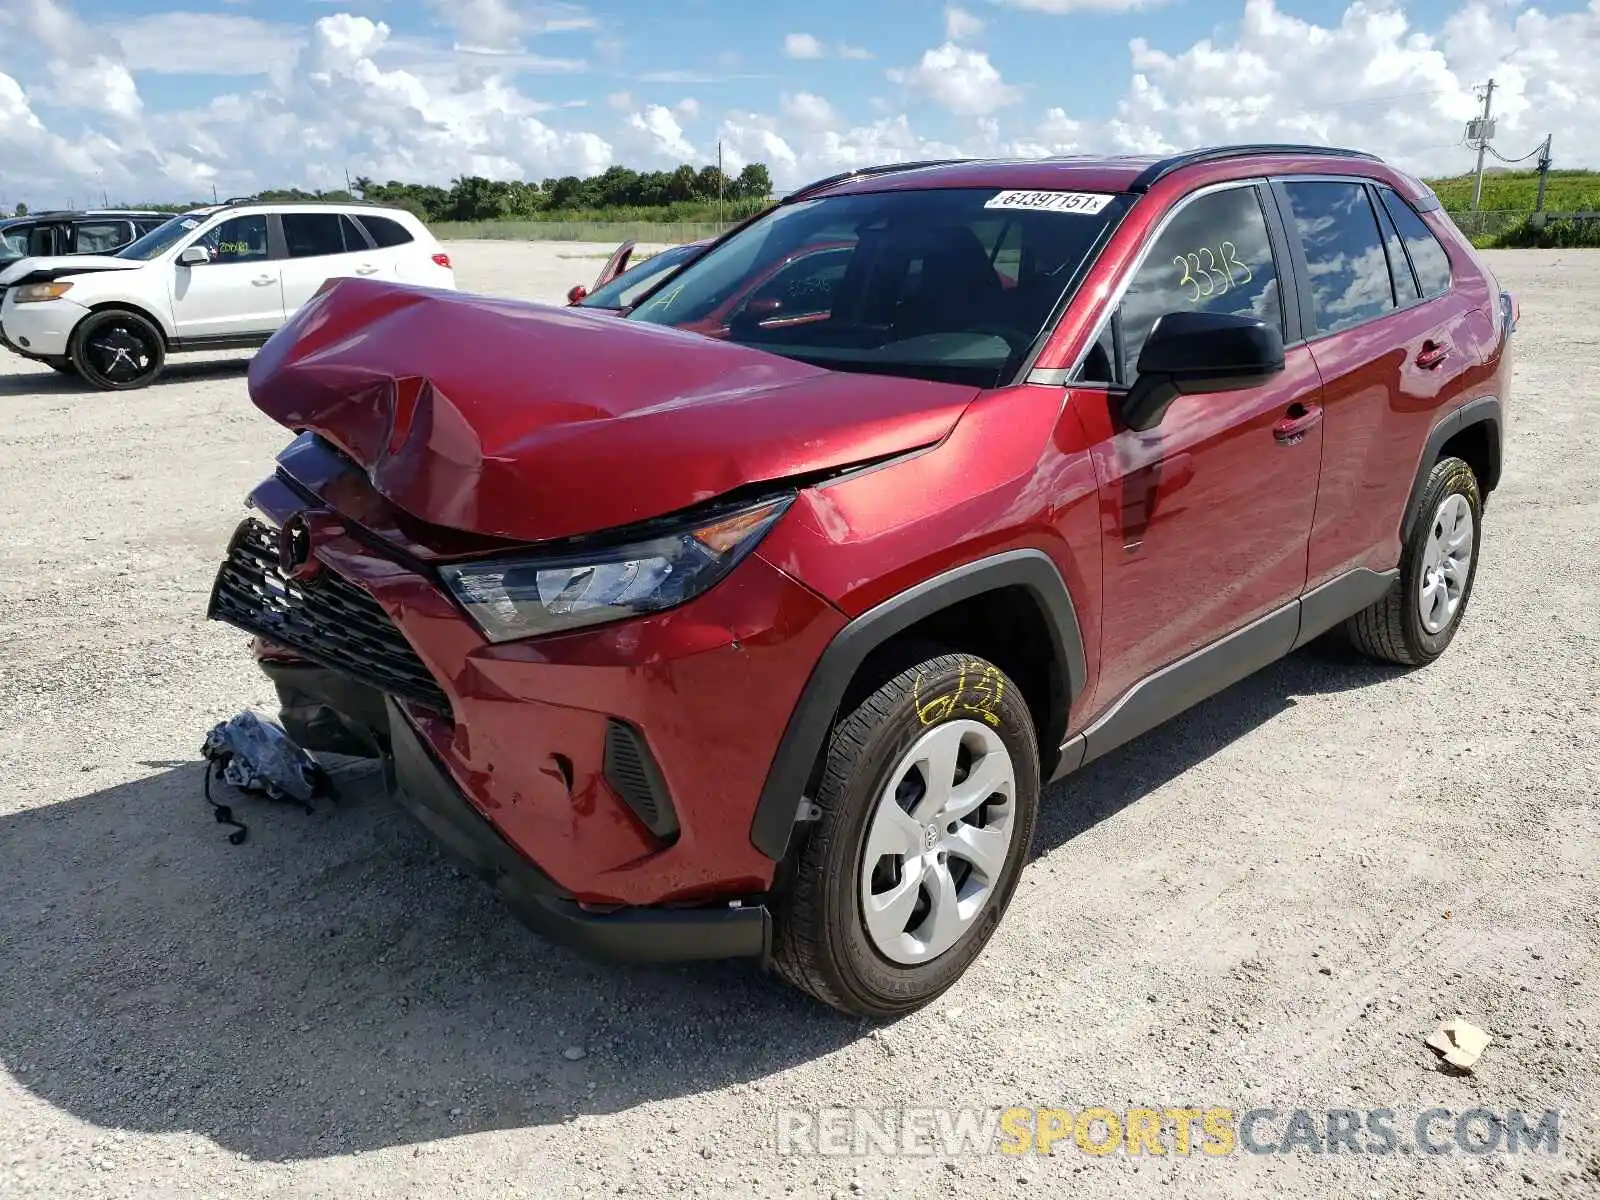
{"x": 757, "y": 630}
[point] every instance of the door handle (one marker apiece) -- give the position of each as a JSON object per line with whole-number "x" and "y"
{"x": 1300, "y": 420}
{"x": 366, "y": 269}
{"x": 1431, "y": 355}
{"x": 264, "y": 280}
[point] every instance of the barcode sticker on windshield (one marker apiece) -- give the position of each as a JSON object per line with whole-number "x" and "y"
{"x": 1065, "y": 202}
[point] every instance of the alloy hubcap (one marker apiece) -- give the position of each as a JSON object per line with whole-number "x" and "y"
{"x": 937, "y": 841}
{"x": 120, "y": 354}
{"x": 1446, "y": 559}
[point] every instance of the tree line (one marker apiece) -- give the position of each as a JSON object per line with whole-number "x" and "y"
{"x": 474, "y": 198}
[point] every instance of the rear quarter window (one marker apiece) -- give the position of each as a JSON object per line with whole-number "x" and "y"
{"x": 385, "y": 232}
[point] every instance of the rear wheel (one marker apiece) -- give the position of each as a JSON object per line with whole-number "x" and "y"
{"x": 928, "y": 802}
{"x": 1419, "y": 616}
{"x": 117, "y": 350}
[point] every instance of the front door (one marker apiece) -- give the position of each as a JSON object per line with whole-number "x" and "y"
{"x": 1205, "y": 519}
{"x": 236, "y": 293}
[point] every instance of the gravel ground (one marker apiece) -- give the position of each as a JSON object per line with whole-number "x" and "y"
{"x": 1268, "y": 903}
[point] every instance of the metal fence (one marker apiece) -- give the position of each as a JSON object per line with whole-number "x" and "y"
{"x": 607, "y": 232}
{"x": 1489, "y": 222}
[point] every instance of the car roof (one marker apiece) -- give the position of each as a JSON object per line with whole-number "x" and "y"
{"x": 1134, "y": 173}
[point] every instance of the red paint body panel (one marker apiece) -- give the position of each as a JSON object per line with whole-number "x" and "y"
{"x": 1014, "y": 473}
{"x": 537, "y": 433}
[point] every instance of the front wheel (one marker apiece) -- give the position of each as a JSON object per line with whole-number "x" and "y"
{"x": 61, "y": 366}
{"x": 117, "y": 350}
{"x": 928, "y": 801}
{"x": 1419, "y": 616}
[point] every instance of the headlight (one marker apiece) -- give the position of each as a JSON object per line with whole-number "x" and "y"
{"x": 525, "y": 597}
{"x": 37, "y": 293}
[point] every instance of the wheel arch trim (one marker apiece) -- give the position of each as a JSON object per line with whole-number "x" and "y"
{"x": 1484, "y": 410}
{"x": 1033, "y": 571}
{"x": 137, "y": 309}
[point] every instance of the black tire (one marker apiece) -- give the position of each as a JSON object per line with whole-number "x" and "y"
{"x": 117, "y": 350}
{"x": 62, "y": 366}
{"x": 1392, "y": 629}
{"x": 821, "y": 943}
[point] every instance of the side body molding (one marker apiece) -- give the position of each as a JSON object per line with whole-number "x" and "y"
{"x": 1032, "y": 571}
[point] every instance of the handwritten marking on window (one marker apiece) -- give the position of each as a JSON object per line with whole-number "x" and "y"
{"x": 1211, "y": 272}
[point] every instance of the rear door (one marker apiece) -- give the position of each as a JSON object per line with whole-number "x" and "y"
{"x": 237, "y": 293}
{"x": 320, "y": 246}
{"x": 1390, "y": 338}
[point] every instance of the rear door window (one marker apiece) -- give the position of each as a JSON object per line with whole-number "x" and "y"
{"x": 314, "y": 234}
{"x": 1400, "y": 273}
{"x": 101, "y": 237}
{"x": 1349, "y": 273}
{"x": 1427, "y": 255}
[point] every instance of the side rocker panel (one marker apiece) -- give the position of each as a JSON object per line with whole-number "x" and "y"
{"x": 1031, "y": 570}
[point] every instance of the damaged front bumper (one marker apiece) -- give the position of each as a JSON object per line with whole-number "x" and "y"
{"x": 630, "y": 935}
{"x": 326, "y": 710}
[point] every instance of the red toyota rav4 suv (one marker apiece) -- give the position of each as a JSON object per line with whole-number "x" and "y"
{"x": 766, "y": 643}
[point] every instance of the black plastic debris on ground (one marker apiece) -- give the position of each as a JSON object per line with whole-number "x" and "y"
{"x": 252, "y": 753}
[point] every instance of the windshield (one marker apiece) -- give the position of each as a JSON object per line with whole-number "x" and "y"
{"x": 161, "y": 238}
{"x": 627, "y": 287}
{"x": 952, "y": 284}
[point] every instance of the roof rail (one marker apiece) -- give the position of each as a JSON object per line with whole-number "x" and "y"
{"x": 1157, "y": 171}
{"x": 868, "y": 173}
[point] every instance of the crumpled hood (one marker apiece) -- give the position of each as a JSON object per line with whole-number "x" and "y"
{"x": 40, "y": 270}
{"x": 525, "y": 421}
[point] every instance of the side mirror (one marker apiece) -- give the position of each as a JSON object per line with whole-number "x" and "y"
{"x": 193, "y": 256}
{"x": 577, "y": 293}
{"x": 1192, "y": 353}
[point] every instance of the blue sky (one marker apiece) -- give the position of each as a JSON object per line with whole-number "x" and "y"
{"x": 146, "y": 94}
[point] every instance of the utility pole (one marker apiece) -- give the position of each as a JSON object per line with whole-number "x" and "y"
{"x": 720, "y": 180}
{"x": 1485, "y": 132}
{"x": 1544, "y": 172}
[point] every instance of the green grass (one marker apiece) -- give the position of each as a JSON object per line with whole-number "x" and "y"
{"x": 1504, "y": 191}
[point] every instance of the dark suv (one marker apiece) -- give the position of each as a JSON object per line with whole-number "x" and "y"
{"x": 753, "y": 621}
{"x": 95, "y": 231}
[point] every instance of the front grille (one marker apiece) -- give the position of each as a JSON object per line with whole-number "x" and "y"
{"x": 326, "y": 618}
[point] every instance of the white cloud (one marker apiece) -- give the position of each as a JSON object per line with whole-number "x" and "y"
{"x": 1058, "y": 7}
{"x": 961, "y": 80}
{"x": 809, "y": 111}
{"x": 183, "y": 43}
{"x": 500, "y": 24}
{"x": 860, "y": 53}
{"x": 959, "y": 24}
{"x": 663, "y": 135}
{"x": 621, "y": 101}
{"x": 688, "y": 108}
{"x": 802, "y": 45}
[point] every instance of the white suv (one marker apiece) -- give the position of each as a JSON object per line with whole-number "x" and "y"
{"x": 224, "y": 277}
